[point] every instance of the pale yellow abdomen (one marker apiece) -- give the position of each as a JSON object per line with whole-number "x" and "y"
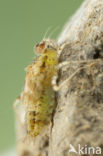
{"x": 39, "y": 98}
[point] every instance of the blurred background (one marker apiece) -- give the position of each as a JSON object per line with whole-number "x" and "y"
{"x": 23, "y": 23}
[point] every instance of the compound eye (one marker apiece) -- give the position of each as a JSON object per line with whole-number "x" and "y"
{"x": 39, "y": 48}
{"x": 42, "y": 45}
